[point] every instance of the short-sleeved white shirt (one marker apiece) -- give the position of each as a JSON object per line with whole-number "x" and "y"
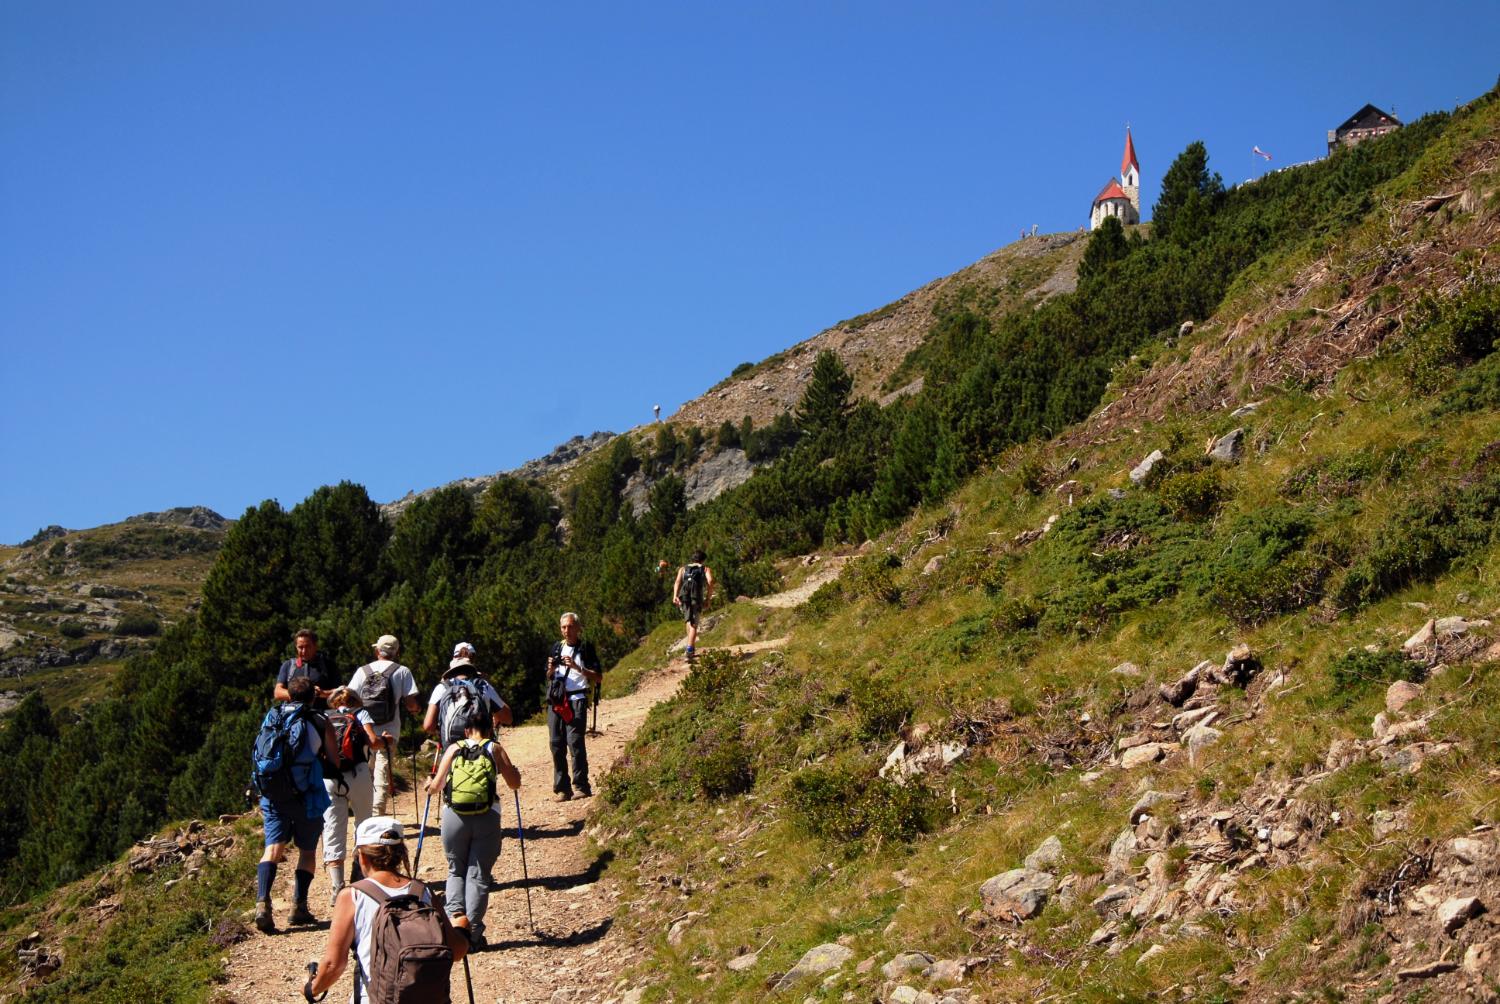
{"x": 403, "y": 685}
{"x": 577, "y": 682}
{"x": 486, "y": 690}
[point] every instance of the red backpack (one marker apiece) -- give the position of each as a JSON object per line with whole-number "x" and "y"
{"x": 410, "y": 961}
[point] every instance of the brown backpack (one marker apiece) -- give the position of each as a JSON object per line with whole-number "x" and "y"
{"x": 410, "y": 961}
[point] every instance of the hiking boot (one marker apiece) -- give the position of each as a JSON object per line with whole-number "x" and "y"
{"x": 562, "y": 796}
{"x": 585, "y": 792}
{"x": 263, "y": 919}
{"x": 301, "y": 915}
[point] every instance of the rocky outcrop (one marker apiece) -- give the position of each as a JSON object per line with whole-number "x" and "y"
{"x": 195, "y": 517}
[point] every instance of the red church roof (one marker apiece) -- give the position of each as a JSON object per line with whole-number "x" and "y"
{"x": 1111, "y": 191}
{"x": 1129, "y": 160}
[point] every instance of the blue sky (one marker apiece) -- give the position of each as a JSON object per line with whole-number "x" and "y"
{"x": 248, "y": 249}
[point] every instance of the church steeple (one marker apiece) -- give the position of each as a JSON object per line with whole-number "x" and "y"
{"x": 1130, "y": 173}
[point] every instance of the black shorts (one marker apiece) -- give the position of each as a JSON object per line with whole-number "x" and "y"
{"x": 690, "y": 613}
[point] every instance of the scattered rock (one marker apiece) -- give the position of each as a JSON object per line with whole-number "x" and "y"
{"x": 740, "y": 963}
{"x": 1198, "y": 738}
{"x": 948, "y": 971}
{"x": 1384, "y": 822}
{"x": 1126, "y": 669}
{"x": 1114, "y": 900}
{"x": 1422, "y": 640}
{"x": 815, "y": 962}
{"x": 1227, "y": 448}
{"x": 934, "y": 564}
{"x": 1184, "y": 720}
{"x": 1240, "y": 664}
{"x": 1142, "y": 755}
{"x": 1048, "y": 855}
{"x": 906, "y": 962}
{"x": 1120, "y": 852}
{"x": 1456, "y": 627}
{"x": 679, "y": 927}
{"x": 1248, "y": 408}
{"x": 1469, "y": 850}
{"x": 1380, "y": 725}
{"x": 1176, "y": 694}
{"x": 1480, "y": 959}
{"x": 1017, "y": 894}
{"x": 1401, "y": 693}
{"x": 1145, "y": 804}
{"x": 1184, "y": 329}
{"x": 1457, "y": 912}
{"x": 1427, "y": 971}
{"x": 1142, "y": 471}
{"x": 1149, "y": 954}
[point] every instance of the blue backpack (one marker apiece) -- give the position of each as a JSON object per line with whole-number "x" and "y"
{"x": 275, "y": 754}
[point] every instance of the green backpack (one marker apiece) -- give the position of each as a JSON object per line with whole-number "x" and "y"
{"x": 471, "y": 780}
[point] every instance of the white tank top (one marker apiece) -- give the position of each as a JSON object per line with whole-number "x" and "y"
{"x": 365, "y": 909}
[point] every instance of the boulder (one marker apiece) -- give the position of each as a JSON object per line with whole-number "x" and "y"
{"x": 1176, "y": 694}
{"x": 934, "y": 564}
{"x": 1380, "y": 725}
{"x": 1114, "y": 901}
{"x": 948, "y": 971}
{"x": 1249, "y": 408}
{"x": 1126, "y": 669}
{"x": 1142, "y": 471}
{"x": 1149, "y": 954}
{"x": 1184, "y": 720}
{"x": 815, "y": 962}
{"x": 1480, "y": 959}
{"x": 907, "y": 962}
{"x": 1121, "y": 850}
{"x": 1146, "y": 803}
{"x": 1240, "y": 664}
{"x": 1018, "y": 894}
{"x": 1457, "y": 912}
{"x": 1228, "y": 448}
{"x": 1199, "y": 738}
{"x": 1469, "y": 850}
{"x": 740, "y": 963}
{"x": 1422, "y": 641}
{"x": 1401, "y": 693}
{"x": 1048, "y": 855}
{"x": 1139, "y": 756}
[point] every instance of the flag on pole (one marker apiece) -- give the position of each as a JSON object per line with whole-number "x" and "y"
{"x": 1257, "y": 151}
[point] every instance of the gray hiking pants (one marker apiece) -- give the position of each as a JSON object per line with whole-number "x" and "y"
{"x": 472, "y": 845}
{"x": 565, "y": 738}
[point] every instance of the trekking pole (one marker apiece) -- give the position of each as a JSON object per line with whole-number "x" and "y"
{"x": 421, "y": 836}
{"x": 468, "y": 979}
{"x": 526, "y": 883}
{"x": 414, "y": 746}
{"x": 598, "y": 693}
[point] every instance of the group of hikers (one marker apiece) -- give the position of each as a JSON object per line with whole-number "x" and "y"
{"x": 324, "y": 754}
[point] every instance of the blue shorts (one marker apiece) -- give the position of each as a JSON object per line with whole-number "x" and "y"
{"x": 288, "y": 823}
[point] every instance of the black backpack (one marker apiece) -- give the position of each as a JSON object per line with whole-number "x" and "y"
{"x": 275, "y": 751}
{"x": 350, "y": 744}
{"x": 376, "y": 695}
{"x": 694, "y": 585}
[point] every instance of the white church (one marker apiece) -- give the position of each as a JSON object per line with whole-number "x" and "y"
{"x": 1120, "y": 199}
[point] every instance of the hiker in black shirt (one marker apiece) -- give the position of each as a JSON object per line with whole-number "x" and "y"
{"x": 311, "y": 663}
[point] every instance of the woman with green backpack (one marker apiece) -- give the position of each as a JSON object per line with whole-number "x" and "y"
{"x": 466, "y": 775}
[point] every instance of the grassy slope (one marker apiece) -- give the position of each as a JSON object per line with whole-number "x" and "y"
{"x": 950, "y": 651}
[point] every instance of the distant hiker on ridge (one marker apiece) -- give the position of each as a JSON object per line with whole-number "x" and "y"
{"x": 571, "y": 667}
{"x": 692, "y": 592}
{"x": 285, "y": 772}
{"x": 462, "y": 687}
{"x": 308, "y": 662}
{"x": 385, "y": 687}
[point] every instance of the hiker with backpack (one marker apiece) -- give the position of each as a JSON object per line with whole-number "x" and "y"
{"x": 385, "y": 687}
{"x": 691, "y": 592}
{"x": 462, "y": 688}
{"x": 572, "y": 666}
{"x": 288, "y": 776}
{"x": 404, "y": 947}
{"x": 470, "y": 826}
{"x": 346, "y": 768}
{"x": 307, "y": 662}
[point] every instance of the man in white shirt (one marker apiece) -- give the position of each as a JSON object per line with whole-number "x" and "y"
{"x": 385, "y": 687}
{"x": 571, "y": 668}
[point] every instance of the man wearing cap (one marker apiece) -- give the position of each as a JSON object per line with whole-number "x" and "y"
{"x": 572, "y": 668}
{"x": 462, "y": 667}
{"x": 311, "y": 663}
{"x": 395, "y": 682}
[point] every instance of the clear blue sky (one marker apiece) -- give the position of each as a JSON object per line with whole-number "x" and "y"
{"x": 250, "y": 248}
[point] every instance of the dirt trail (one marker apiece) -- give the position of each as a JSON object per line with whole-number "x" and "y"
{"x": 572, "y": 948}
{"x": 829, "y": 571}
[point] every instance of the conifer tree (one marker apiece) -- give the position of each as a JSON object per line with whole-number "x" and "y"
{"x": 825, "y": 403}
{"x": 1187, "y": 189}
{"x": 1106, "y": 245}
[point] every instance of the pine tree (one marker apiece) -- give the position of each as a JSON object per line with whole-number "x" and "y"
{"x": 825, "y": 403}
{"x": 1187, "y": 190}
{"x": 1106, "y": 245}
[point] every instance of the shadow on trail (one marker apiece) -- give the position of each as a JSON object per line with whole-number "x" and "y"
{"x": 557, "y": 883}
{"x": 546, "y": 939}
{"x": 545, "y": 832}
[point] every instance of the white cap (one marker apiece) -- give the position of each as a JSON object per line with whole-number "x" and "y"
{"x": 388, "y": 646}
{"x": 464, "y": 650}
{"x": 380, "y": 830}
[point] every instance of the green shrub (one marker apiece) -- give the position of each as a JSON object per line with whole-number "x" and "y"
{"x": 1353, "y": 673}
{"x": 1193, "y": 494}
{"x": 1017, "y": 613}
{"x": 1331, "y": 477}
{"x": 874, "y": 577}
{"x": 723, "y": 765}
{"x": 880, "y": 708}
{"x": 72, "y": 629}
{"x": 138, "y": 625}
{"x": 1261, "y": 570}
{"x": 741, "y": 368}
{"x": 714, "y": 674}
{"x": 823, "y": 603}
{"x": 848, "y": 804}
{"x": 1451, "y": 333}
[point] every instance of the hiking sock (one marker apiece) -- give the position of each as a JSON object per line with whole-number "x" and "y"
{"x": 304, "y": 883}
{"x": 336, "y": 876}
{"x": 265, "y": 875}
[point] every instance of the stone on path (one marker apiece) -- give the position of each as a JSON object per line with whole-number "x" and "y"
{"x": 1017, "y": 894}
{"x": 815, "y": 962}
